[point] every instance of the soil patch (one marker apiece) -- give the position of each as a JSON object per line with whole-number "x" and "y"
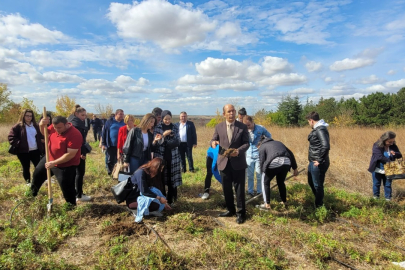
{"x": 125, "y": 228}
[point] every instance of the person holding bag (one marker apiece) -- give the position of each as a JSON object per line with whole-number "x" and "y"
{"x": 78, "y": 118}
{"x": 384, "y": 150}
{"x": 25, "y": 137}
{"x": 168, "y": 150}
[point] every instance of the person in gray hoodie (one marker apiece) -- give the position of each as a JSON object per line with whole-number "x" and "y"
{"x": 318, "y": 156}
{"x": 276, "y": 160}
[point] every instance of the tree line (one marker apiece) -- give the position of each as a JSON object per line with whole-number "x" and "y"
{"x": 376, "y": 109}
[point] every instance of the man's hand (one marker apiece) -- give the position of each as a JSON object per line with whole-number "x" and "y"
{"x": 194, "y": 145}
{"x": 44, "y": 122}
{"x": 83, "y": 157}
{"x": 316, "y": 163}
{"x": 295, "y": 172}
{"x": 214, "y": 144}
{"x": 50, "y": 164}
{"x": 126, "y": 164}
{"x": 235, "y": 153}
{"x": 103, "y": 147}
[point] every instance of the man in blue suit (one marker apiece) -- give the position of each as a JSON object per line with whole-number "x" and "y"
{"x": 188, "y": 138}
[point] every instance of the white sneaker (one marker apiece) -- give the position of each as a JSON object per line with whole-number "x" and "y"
{"x": 156, "y": 214}
{"x": 205, "y": 196}
{"x": 84, "y": 198}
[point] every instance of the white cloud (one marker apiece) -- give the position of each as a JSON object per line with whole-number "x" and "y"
{"x": 391, "y": 72}
{"x": 16, "y": 30}
{"x": 56, "y": 77}
{"x": 369, "y": 80}
{"x": 162, "y": 90}
{"x": 328, "y": 79}
{"x": 376, "y": 88}
{"x": 347, "y": 64}
{"x": 396, "y": 25}
{"x": 396, "y": 84}
{"x": 169, "y": 26}
{"x": 313, "y": 66}
{"x": 284, "y": 79}
{"x": 303, "y": 91}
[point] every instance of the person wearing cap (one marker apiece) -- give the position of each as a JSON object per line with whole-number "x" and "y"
{"x": 168, "y": 150}
{"x": 241, "y": 114}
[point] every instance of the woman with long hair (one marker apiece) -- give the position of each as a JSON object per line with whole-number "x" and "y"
{"x": 26, "y": 137}
{"x": 168, "y": 150}
{"x": 77, "y": 119}
{"x": 129, "y": 121}
{"x": 384, "y": 150}
{"x": 140, "y": 143}
{"x": 145, "y": 198}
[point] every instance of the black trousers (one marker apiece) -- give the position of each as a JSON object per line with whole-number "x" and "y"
{"x": 80, "y": 171}
{"x": 208, "y": 176}
{"x": 185, "y": 150}
{"x": 280, "y": 173}
{"x": 234, "y": 179}
{"x": 112, "y": 158}
{"x": 65, "y": 177}
{"x": 97, "y": 133}
{"x": 33, "y": 156}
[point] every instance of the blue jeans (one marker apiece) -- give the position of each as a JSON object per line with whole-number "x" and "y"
{"x": 316, "y": 178}
{"x": 253, "y": 165}
{"x": 377, "y": 178}
{"x": 135, "y": 163}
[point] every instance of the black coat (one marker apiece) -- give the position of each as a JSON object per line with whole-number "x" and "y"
{"x": 319, "y": 145}
{"x": 18, "y": 138}
{"x": 79, "y": 125}
{"x": 270, "y": 149}
{"x": 378, "y": 156}
{"x": 191, "y": 133}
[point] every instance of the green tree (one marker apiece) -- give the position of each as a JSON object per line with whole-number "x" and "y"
{"x": 306, "y": 109}
{"x": 291, "y": 109}
{"x": 327, "y": 109}
{"x": 374, "y": 109}
{"x": 398, "y": 107}
{"x": 29, "y": 104}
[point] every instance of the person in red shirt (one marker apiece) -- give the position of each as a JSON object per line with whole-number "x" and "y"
{"x": 64, "y": 145}
{"x": 129, "y": 121}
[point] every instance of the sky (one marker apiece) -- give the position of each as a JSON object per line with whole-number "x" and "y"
{"x": 197, "y": 56}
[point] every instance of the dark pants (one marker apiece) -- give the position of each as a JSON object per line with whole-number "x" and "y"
{"x": 208, "y": 176}
{"x": 171, "y": 191}
{"x": 97, "y": 133}
{"x": 80, "y": 171}
{"x": 112, "y": 158}
{"x": 65, "y": 177}
{"x": 316, "y": 178}
{"x": 236, "y": 179}
{"x": 25, "y": 159}
{"x": 185, "y": 150}
{"x": 280, "y": 173}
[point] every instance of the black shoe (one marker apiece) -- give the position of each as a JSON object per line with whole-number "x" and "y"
{"x": 240, "y": 219}
{"x": 226, "y": 214}
{"x": 192, "y": 171}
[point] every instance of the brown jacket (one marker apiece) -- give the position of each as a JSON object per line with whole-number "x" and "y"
{"x": 240, "y": 141}
{"x": 18, "y": 138}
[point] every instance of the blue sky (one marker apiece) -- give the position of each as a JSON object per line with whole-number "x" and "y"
{"x": 196, "y": 56}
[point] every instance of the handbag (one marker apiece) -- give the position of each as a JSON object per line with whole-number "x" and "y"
{"x": 122, "y": 190}
{"x": 88, "y": 147}
{"x": 395, "y": 169}
{"x": 13, "y": 150}
{"x": 117, "y": 168}
{"x": 123, "y": 175}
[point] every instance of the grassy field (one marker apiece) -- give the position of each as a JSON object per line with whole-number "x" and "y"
{"x": 352, "y": 228}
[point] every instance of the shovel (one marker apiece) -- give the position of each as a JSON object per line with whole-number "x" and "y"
{"x": 48, "y": 171}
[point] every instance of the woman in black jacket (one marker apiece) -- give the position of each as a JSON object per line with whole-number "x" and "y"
{"x": 77, "y": 119}
{"x": 275, "y": 160}
{"x": 384, "y": 150}
{"x": 140, "y": 144}
{"x": 26, "y": 138}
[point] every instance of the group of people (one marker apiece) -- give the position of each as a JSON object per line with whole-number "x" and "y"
{"x": 155, "y": 151}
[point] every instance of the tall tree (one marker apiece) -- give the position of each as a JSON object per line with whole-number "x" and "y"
{"x": 64, "y": 105}
{"x": 398, "y": 107}
{"x": 374, "y": 109}
{"x": 104, "y": 111}
{"x": 4, "y": 96}
{"x": 291, "y": 109}
{"x": 327, "y": 109}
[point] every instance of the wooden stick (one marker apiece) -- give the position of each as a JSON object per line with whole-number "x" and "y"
{"x": 48, "y": 171}
{"x": 257, "y": 196}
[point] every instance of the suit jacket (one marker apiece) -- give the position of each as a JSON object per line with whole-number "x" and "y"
{"x": 191, "y": 133}
{"x": 240, "y": 141}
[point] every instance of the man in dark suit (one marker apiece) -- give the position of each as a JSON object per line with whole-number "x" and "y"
{"x": 232, "y": 134}
{"x": 188, "y": 138}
